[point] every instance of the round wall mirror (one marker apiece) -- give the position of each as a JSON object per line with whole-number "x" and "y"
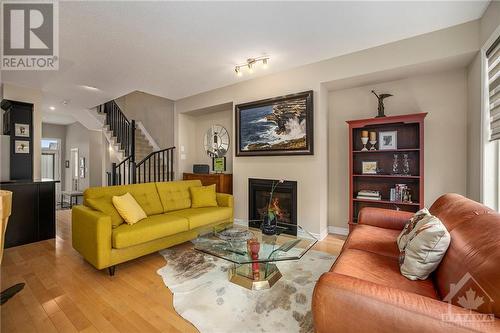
{"x": 216, "y": 141}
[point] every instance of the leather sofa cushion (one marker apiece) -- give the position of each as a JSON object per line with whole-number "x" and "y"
{"x": 374, "y": 239}
{"x": 145, "y": 195}
{"x": 380, "y": 269}
{"x": 203, "y": 216}
{"x": 175, "y": 195}
{"x": 151, "y": 228}
{"x": 454, "y": 209}
{"x": 474, "y": 252}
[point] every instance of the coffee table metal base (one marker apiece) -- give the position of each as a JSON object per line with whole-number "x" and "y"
{"x": 242, "y": 275}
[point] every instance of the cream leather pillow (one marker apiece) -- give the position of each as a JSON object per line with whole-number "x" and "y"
{"x": 128, "y": 208}
{"x": 426, "y": 247}
{"x": 408, "y": 231}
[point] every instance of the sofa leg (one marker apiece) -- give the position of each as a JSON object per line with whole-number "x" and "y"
{"x": 111, "y": 270}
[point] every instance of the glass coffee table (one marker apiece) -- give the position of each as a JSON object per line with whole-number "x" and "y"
{"x": 252, "y": 253}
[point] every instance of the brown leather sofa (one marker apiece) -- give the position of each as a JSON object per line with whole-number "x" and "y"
{"x": 365, "y": 292}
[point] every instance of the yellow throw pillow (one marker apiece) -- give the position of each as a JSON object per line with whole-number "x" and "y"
{"x": 203, "y": 196}
{"x": 104, "y": 205}
{"x": 128, "y": 208}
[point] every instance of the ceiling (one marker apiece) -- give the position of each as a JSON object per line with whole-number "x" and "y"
{"x": 177, "y": 49}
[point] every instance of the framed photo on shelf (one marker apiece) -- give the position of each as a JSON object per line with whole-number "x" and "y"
{"x": 369, "y": 167}
{"x": 388, "y": 140}
{"x": 22, "y": 130}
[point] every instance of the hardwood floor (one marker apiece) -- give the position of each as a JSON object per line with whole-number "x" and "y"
{"x": 63, "y": 293}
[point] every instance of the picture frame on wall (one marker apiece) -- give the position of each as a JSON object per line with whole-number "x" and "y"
{"x": 22, "y": 147}
{"x": 22, "y": 130}
{"x": 388, "y": 140}
{"x": 276, "y": 126}
{"x": 369, "y": 167}
{"x": 219, "y": 164}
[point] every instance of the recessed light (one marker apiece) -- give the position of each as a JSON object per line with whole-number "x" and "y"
{"x": 52, "y": 108}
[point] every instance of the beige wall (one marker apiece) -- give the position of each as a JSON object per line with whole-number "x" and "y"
{"x": 156, "y": 114}
{"x": 442, "y": 95}
{"x": 311, "y": 172}
{"x": 90, "y": 146}
{"x": 34, "y": 96}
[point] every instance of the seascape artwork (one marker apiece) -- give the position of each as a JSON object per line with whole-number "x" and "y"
{"x": 278, "y": 127}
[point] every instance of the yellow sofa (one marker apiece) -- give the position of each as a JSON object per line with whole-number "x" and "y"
{"x": 105, "y": 240}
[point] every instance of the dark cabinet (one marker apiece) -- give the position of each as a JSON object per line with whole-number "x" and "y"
{"x": 33, "y": 212}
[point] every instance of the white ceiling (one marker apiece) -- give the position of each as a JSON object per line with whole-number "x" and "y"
{"x": 177, "y": 49}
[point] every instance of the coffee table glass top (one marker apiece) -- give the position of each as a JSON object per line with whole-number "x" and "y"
{"x": 230, "y": 243}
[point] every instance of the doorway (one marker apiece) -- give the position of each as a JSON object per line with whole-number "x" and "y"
{"x": 51, "y": 162}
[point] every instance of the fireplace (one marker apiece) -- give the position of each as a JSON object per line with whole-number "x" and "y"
{"x": 284, "y": 199}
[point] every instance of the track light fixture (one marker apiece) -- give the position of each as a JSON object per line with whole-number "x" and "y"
{"x": 250, "y": 65}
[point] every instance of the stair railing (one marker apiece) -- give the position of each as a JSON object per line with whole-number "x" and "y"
{"x": 122, "y": 128}
{"x": 155, "y": 167}
{"x": 158, "y": 166}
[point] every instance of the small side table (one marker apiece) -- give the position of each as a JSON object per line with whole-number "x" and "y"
{"x": 72, "y": 195}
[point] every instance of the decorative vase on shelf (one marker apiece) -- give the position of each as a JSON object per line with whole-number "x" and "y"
{"x": 406, "y": 165}
{"x": 395, "y": 164}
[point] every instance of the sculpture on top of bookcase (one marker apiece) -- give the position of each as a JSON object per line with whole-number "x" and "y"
{"x": 381, "y": 107}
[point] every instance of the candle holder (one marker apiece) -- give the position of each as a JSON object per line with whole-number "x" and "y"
{"x": 364, "y": 141}
{"x": 373, "y": 142}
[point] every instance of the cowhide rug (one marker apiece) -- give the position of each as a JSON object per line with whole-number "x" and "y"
{"x": 204, "y": 296}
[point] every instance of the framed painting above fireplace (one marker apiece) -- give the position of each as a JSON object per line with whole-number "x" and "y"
{"x": 276, "y": 126}
{"x": 285, "y": 195}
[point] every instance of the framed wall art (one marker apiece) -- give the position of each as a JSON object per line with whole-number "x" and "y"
{"x": 22, "y": 147}
{"x": 22, "y": 130}
{"x": 276, "y": 126}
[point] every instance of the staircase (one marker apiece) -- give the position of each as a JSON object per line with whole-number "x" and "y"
{"x": 139, "y": 161}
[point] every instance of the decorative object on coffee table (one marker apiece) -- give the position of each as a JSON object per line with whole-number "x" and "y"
{"x": 276, "y": 126}
{"x": 410, "y": 141}
{"x": 253, "y": 246}
{"x": 257, "y": 255}
{"x": 381, "y": 107}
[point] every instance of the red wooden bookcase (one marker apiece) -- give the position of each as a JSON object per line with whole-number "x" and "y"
{"x": 410, "y": 140}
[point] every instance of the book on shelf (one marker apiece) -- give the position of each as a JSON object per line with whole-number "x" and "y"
{"x": 369, "y": 197}
{"x": 368, "y": 193}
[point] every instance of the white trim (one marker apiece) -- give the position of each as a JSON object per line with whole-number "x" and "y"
{"x": 322, "y": 235}
{"x": 338, "y": 230}
{"x": 484, "y": 112}
{"x": 148, "y": 136}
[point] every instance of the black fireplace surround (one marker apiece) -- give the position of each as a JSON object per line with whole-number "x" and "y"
{"x": 285, "y": 196}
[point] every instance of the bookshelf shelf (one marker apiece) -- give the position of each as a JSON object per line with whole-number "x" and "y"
{"x": 388, "y": 202}
{"x": 410, "y": 141}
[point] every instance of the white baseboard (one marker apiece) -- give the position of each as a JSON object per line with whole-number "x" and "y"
{"x": 338, "y": 230}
